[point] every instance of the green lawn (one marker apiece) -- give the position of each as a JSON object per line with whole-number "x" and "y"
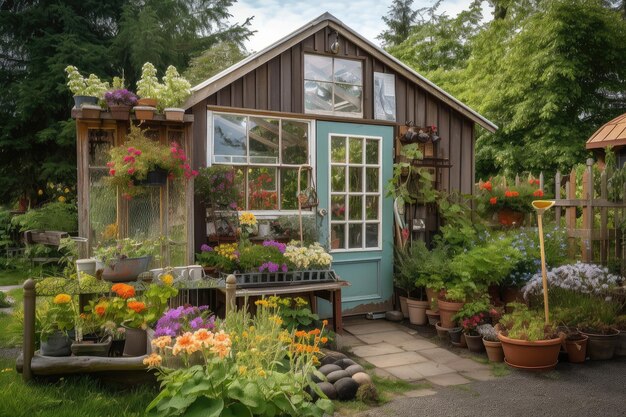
{"x": 13, "y": 276}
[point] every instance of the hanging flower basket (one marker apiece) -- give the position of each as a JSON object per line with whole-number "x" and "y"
{"x": 154, "y": 178}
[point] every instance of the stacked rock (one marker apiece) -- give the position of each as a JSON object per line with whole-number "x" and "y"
{"x": 343, "y": 377}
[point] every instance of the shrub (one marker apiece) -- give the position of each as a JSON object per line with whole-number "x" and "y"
{"x": 52, "y": 216}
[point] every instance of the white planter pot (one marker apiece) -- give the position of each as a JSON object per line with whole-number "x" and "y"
{"x": 87, "y": 266}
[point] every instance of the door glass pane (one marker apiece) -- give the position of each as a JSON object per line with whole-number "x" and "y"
{"x": 100, "y": 142}
{"x": 338, "y": 149}
{"x": 262, "y": 192}
{"x": 295, "y": 146}
{"x": 356, "y": 207}
{"x": 318, "y": 96}
{"x": 289, "y": 188}
{"x": 263, "y": 140}
{"x": 356, "y": 176}
{"x": 348, "y": 71}
{"x": 371, "y": 152}
{"x": 229, "y": 137}
{"x": 371, "y": 235}
{"x": 338, "y": 179}
{"x": 338, "y": 207}
{"x": 356, "y": 150}
{"x": 347, "y": 98}
{"x": 371, "y": 180}
{"x": 371, "y": 207}
{"x": 102, "y": 208}
{"x": 355, "y": 235}
{"x": 338, "y": 236}
{"x": 318, "y": 68}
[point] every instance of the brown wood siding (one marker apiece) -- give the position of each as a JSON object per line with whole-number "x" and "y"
{"x": 199, "y": 160}
{"x": 278, "y": 84}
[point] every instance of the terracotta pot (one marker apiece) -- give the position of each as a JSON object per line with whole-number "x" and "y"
{"x": 474, "y": 343}
{"x": 174, "y": 114}
{"x": 404, "y": 307}
{"x": 447, "y": 309}
{"x": 120, "y": 112}
{"x": 432, "y": 294}
{"x": 620, "y": 347}
{"x": 508, "y": 217}
{"x": 542, "y": 355}
{"x": 144, "y": 112}
{"x": 455, "y": 335}
{"x": 442, "y": 332}
{"x": 433, "y": 317}
{"x": 136, "y": 342}
{"x": 150, "y": 102}
{"x": 417, "y": 311}
{"x": 576, "y": 349}
{"x": 494, "y": 351}
{"x": 90, "y": 111}
{"x": 601, "y": 347}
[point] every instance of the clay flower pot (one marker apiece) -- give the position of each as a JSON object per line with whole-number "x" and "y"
{"x": 541, "y": 355}
{"x": 174, "y": 114}
{"x": 601, "y": 347}
{"x": 576, "y": 349}
{"x": 620, "y": 347}
{"x": 120, "y": 111}
{"x": 494, "y": 351}
{"x": 136, "y": 342}
{"x": 404, "y": 307}
{"x": 417, "y": 311}
{"x": 457, "y": 337}
{"x": 447, "y": 309}
{"x": 474, "y": 343}
{"x": 442, "y": 332}
{"x": 433, "y": 317}
{"x": 144, "y": 112}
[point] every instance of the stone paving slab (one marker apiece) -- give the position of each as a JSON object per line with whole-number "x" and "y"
{"x": 446, "y": 380}
{"x": 7, "y": 288}
{"x": 380, "y": 372}
{"x": 439, "y": 355}
{"x": 405, "y": 373}
{"x": 417, "y": 344}
{"x": 373, "y": 327}
{"x": 366, "y": 351}
{"x": 431, "y": 368}
{"x": 395, "y": 359}
{"x": 419, "y": 393}
{"x": 466, "y": 365}
{"x": 347, "y": 340}
{"x": 395, "y": 337}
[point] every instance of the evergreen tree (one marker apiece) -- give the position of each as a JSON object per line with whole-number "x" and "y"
{"x": 214, "y": 60}
{"x": 399, "y": 19}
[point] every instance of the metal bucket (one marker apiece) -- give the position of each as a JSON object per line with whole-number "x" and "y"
{"x": 125, "y": 269}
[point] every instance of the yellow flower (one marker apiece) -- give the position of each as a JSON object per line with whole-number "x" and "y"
{"x": 261, "y": 373}
{"x": 277, "y": 319}
{"x": 162, "y": 342}
{"x": 66, "y": 190}
{"x": 62, "y": 299}
{"x": 167, "y": 279}
{"x": 61, "y": 199}
{"x": 40, "y": 192}
{"x": 153, "y": 360}
{"x": 247, "y": 219}
{"x": 263, "y": 303}
{"x": 243, "y": 370}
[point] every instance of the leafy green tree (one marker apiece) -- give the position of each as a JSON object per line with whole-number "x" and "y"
{"x": 221, "y": 56}
{"x": 399, "y": 19}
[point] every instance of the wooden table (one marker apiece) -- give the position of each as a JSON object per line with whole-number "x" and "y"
{"x": 330, "y": 291}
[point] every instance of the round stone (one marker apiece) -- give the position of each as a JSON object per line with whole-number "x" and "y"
{"x": 330, "y": 356}
{"x": 362, "y": 378}
{"x": 336, "y": 376}
{"x": 326, "y": 369}
{"x": 346, "y": 388}
{"x": 344, "y": 363}
{"x": 353, "y": 369}
{"x": 328, "y": 389}
{"x": 394, "y": 315}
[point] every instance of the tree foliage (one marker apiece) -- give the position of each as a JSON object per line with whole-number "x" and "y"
{"x": 112, "y": 38}
{"x": 399, "y": 19}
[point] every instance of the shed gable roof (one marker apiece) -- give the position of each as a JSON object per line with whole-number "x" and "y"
{"x": 231, "y": 74}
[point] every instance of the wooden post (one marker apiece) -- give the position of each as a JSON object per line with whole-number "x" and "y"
{"x": 541, "y": 181}
{"x": 544, "y": 276}
{"x": 588, "y": 212}
{"x": 557, "y": 195}
{"x": 604, "y": 234}
{"x": 570, "y": 213}
{"x": 517, "y": 181}
{"x": 28, "y": 348}
{"x": 231, "y": 294}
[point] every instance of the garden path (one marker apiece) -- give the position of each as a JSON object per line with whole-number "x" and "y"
{"x": 399, "y": 352}
{"x": 7, "y": 288}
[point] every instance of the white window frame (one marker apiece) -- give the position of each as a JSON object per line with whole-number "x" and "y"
{"x": 264, "y": 214}
{"x": 334, "y": 83}
{"x": 347, "y": 193}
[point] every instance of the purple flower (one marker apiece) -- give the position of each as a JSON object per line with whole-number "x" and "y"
{"x": 284, "y": 268}
{"x": 196, "y": 323}
{"x": 280, "y": 246}
{"x": 120, "y": 98}
{"x": 206, "y": 248}
{"x": 164, "y": 331}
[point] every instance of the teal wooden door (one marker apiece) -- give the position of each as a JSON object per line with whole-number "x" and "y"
{"x": 354, "y": 162}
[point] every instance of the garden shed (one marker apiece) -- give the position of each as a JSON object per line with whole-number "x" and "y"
{"x": 326, "y": 97}
{"x": 613, "y": 134}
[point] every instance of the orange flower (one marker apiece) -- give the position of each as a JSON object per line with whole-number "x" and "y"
{"x": 204, "y": 337}
{"x": 62, "y": 299}
{"x": 137, "y": 306}
{"x": 300, "y": 333}
{"x": 486, "y": 186}
{"x": 315, "y": 332}
{"x": 161, "y": 342}
{"x": 508, "y": 193}
{"x": 324, "y": 340}
{"x": 123, "y": 290}
{"x": 153, "y": 360}
{"x": 186, "y": 343}
{"x": 324, "y": 322}
{"x": 538, "y": 193}
{"x": 515, "y": 193}
{"x": 100, "y": 309}
{"x": 493, "y": 200}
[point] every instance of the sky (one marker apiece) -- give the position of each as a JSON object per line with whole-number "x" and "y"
{"x": 274, "y": 19}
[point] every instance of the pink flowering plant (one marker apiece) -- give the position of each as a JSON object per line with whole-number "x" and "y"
{"x": 139, "y": 155}
{"x": 473, "y": 314}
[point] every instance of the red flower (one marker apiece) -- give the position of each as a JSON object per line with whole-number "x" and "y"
{"x": 537, "y": 182}
{"x": 131, "y": 171}
{"x": 508, "y": 193}
{"x": 111, "y": 172}
{"x": 405, "y": 233}
{"x": 486, "y": 186}
{"x": 493, "y": 200}
{"x": 538, "y": 193}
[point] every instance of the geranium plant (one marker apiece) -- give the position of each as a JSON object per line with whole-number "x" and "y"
{"x": 139, "y": 155}
{"x": 121, "y": 97}
{"x": 217, "y": 185}
{"x": 498, "y": 193}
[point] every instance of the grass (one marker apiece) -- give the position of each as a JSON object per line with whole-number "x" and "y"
{"x": 14, "y": 276}
{"x": 11, "y": 325}
{"x": 67, "y": 397}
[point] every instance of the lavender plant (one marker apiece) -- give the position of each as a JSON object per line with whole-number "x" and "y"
{"x": 177, "y": 321}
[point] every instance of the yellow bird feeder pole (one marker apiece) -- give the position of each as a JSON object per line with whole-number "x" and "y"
{"x": 541, "y": 206}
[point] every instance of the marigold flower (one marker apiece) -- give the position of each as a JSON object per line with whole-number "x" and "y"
{"x": 186, "y": 343}
{"x": 324, "y": 340}
{"x": 123, "y": 290}
{"x": 315, "y": 332}
{"x": 538, "y": 193}
{"x": 100, "y": 309}
{"x": 263, "y": 303}
{"x": 486, "y": 186}
{"x": 61, "y": 199}
{"x": 261, "y": 373}
{"x": 301, "y": 333}
{"x": 325, "y": 322}
{"x": 62, "y": 299}
{"x": 136, "y": 306}
{"x": 204, "y": 337}
{"x": 493, "y": 200}
{"x": 221, "y": 350}
{"x": 153, "y": 360}
{"x": 167, "y": 279}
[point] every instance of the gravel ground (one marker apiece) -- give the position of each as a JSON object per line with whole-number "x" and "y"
{"x": 591, "y": 389}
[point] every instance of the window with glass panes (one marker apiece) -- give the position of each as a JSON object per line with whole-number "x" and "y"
{"x": 355, "y": 192}
{"x": 333, "y": 85}
{"x": 265, "y": 153}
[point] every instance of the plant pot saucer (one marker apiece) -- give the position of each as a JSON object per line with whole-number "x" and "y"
{"x": 533, "y": 368}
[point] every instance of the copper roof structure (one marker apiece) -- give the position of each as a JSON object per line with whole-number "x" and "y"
{"x": 611, "y": 134}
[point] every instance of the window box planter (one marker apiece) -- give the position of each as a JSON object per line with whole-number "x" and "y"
{"x": 120, "y": 112}
{"x": 79, "y": 101}
{"x": 144, "y": 112}
{"x": 91, "y": 111}
{"x": 174, "y": 114}
{"x": 124, "y": 270}
{"x": 269, "y": 279}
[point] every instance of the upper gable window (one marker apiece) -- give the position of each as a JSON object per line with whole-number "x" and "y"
{"x": 333, "y": 86}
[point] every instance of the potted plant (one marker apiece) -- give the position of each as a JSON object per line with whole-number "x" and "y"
{"x": 410, "y": 278}
{"x": 470, "y": 316}
{"x": 173, "y": 93}
{"x": 90, "y": 341}
{"x": 217, "y": 186}
{"x": 510, "y": 202}
{"x": 87, "y": 91}
{"x": 145, "y": 162}
{"x": 528, "y": 343}
{"x": 120, "y": 102}
{"x": 125, "y": 259}
{"x": 575, "y": 345}
{"x": 148, "y": 91}
{"x": 56, "y": 322}
{"x": 492, "y": 344}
